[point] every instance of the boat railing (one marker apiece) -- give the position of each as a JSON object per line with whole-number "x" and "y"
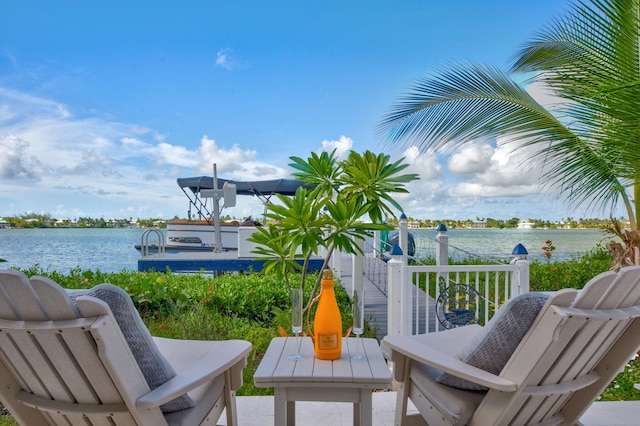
{"x": 149, "y": 245}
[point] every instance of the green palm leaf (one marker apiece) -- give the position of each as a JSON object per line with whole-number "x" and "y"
{"x": 589, "y": 143}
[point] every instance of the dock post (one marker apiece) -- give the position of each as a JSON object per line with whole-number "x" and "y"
{"x": 399, "y": 302}
{"x": 520, "y": 279}
{"x": 442, "y": 246}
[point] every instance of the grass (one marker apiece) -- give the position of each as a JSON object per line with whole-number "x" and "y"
{"x": 253, "y": 307}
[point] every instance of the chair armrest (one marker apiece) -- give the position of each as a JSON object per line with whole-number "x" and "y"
{"x": 403, "y": 347}
{"x": 205, "y": 369}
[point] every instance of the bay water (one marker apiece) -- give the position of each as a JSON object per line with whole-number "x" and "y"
{"x": 498, "y": 244}
{"x": 112, "y": 250}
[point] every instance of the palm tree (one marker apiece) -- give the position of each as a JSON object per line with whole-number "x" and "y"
{"x": 589, "y": 143}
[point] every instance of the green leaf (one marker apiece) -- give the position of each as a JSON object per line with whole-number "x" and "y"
{"x": 589, "y": 145}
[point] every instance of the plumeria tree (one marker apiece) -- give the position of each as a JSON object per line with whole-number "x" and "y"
{"x": 343, "y": 201}
{"x": 589, "y": 142}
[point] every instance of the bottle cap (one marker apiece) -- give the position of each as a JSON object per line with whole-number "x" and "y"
{"x": 327, "y": 274}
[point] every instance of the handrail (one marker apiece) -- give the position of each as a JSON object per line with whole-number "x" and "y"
{"x": 146, "y": 247}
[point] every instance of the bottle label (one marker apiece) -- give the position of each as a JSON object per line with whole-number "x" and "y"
{"x": 327, "y": 341}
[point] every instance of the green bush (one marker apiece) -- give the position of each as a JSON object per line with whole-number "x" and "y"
{"x": 552, "y": 276}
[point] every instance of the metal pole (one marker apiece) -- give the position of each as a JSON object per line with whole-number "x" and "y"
{"x": 216, "y": 211}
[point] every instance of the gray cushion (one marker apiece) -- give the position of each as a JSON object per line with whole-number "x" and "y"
{"x": 155, "y": 368}
{"x": 455, "y": 405}
{"x": 492, "y": 347}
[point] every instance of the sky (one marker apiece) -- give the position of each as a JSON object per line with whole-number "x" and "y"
{"x": 104, "y": 104}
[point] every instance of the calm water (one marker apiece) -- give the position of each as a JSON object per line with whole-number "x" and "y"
{"x": 499, "y": 243}
{"x": 109, "y": 250}
{"x": 112, "y": 250}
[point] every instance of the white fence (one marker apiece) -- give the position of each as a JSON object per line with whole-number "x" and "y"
{"x": 419, "y": 301}
{"x": 425, "y": 299}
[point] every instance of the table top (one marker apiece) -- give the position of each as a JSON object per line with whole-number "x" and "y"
{"x": 276, "y": 369}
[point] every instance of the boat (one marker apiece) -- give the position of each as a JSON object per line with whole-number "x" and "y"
{"x": 198, "y": 232}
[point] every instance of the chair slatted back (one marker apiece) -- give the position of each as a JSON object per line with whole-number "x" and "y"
{"x": 56, "y": 367}
{"x": 578, "y": 344}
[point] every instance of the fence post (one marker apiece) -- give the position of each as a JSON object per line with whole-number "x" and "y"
{"x": 403, "y": 238}
{"x": 442, "y": 246}
{"x": 397, "y": 305}
{"x": 520, "y": 282}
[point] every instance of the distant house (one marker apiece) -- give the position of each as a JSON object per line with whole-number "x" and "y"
{"x": 479, "y": 225}
{"x": 4, "y": 224}
{"x": 525, "y": 224}
{"x": 414, "y": 224}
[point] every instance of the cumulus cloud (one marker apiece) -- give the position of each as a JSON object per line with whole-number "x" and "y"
{"x": 503, "y": 172}
{"x": 472, "y": 158}
{"x": 342, "y": 146}
{"x": 226, "y": 159}
{"x": 98, "y": 161}
{"x": 14, "y": 161}
{"x": 426, "y": 194}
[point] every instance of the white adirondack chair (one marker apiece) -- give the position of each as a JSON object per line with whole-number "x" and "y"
{"x": 71, "y": 361}
{"x": 575, "y": 346}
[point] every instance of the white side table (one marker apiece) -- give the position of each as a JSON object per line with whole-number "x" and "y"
{"x": 312, "y": 379}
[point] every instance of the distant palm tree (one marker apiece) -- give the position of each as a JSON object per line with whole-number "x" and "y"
{"x": 589, "y": 142}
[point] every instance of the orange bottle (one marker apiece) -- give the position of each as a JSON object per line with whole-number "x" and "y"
{"x": 327, "y": 324}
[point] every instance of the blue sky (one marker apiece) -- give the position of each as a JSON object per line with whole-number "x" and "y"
{"x": 104, "y": 104}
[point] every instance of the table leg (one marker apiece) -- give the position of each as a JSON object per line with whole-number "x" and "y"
{"x": 365, "y": 408}
{"x": 284, "y": 411}
{"x": 357, "y": 419}
{"x": 291, "y": 413}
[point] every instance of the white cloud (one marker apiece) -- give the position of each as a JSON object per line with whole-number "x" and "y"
{"x": 227, "y": 160}
{"x": 544, "y": 95}
{"x": 427, "y": 193}
{"x": 342, "y": 146}
{"x": 472, "y": 158}
{"x": 176, "y": 155}
{"x": 14, "y": 161}
{"x": 94, "y": 167}
{"x": 22, "y": 99}
{"x": 224, "y": 59}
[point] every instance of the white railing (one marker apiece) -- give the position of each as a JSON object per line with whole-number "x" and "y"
{"x": 414, "y": 292}
{"x": 423, "y": 299}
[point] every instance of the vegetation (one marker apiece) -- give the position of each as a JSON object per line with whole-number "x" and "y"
{"x": 587, "y": 141}
{"x": 35, "y": 220}
{"x": 489, "y": 222}
{"x": 343, "y": 202}
{"x": 46, "y": 221}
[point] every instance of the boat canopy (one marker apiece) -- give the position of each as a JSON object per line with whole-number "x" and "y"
{"x": 263, "y": 189}
{"x": 260, "y": 188}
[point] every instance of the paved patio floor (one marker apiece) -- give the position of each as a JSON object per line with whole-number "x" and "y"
{"x": 258, "y": 411}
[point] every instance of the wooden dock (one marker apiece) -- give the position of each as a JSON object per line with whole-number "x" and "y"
{"x": 376, "y": 301}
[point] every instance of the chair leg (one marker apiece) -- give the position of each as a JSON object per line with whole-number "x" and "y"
{"x": 401, "y": 405}
{"x": 402, "y": 399}
{"x": 230, "y": 401}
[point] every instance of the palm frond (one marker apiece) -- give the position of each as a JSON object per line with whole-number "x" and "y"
{"x": 465, "y": 103}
